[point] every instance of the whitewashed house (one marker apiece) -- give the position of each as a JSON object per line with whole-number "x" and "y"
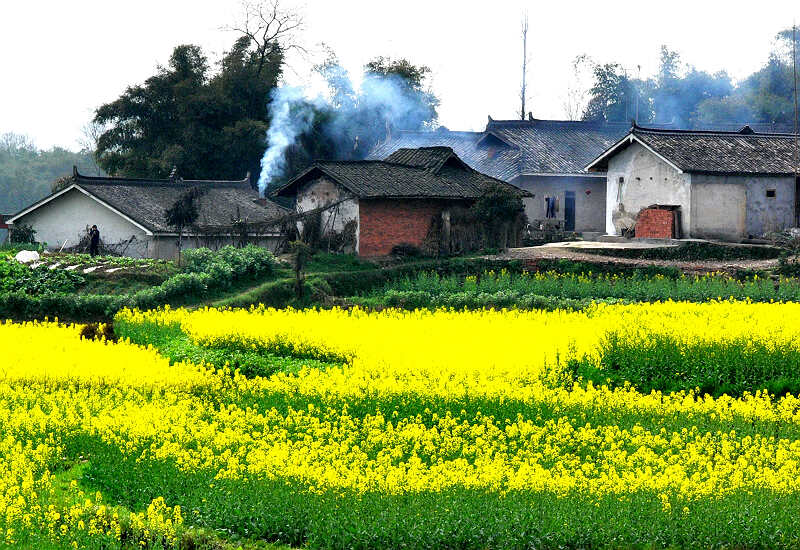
{"x": 130, "y": 215}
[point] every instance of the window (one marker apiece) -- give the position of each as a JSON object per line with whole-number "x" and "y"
{"x": 770, "y": 193}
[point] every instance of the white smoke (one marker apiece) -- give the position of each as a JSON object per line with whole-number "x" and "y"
{"x": 292, "y": 113}
{"x": 353, "y": 116}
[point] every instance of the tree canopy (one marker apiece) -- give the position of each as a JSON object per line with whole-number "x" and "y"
{"x": 207, "y": 124}
{"x": 685, "y": 96}
{"x": 27, "y": 172}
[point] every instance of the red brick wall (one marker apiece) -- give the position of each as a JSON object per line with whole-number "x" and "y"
{"x": 385, "y": 223}
{"x": 654, "y": 223}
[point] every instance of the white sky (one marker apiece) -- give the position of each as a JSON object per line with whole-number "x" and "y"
{"x": 59, "y": 59}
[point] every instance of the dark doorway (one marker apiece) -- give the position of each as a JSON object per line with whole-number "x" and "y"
{"x": 797, "y": 201}
{"x": 569, "y": 211}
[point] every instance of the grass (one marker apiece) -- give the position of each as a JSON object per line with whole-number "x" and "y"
{"x": 662, "y": 363}
{"x": 173, "y": 343}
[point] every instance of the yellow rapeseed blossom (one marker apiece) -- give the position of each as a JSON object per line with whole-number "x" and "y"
{"x": 56, "y": 388}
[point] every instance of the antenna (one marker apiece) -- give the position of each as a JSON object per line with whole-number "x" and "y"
{"x": 523, "y": 90}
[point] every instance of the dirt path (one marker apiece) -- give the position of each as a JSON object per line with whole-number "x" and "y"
{"x": 531, "y": 254}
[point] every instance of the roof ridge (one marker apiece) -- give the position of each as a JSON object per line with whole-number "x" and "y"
{"x": 116, "y": 179}
{"x": 730, "y": 133}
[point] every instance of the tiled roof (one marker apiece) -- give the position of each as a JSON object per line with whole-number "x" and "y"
{"x": 556, "y": 146}
{"x": 716, "y": 152}
{"x": 510, "y": 148}
{"x": 424, "y": 173}
{"x": 498, "y": 162}
{"x": 145, "y": 201}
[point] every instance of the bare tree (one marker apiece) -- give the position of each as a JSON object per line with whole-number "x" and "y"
{"x": 270, "y": 28}
{"x": 90, "y": 133}
{"x": 577, "y": 93}
{"x": 523, "y": 89}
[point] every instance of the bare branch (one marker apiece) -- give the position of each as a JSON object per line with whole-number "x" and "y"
{"x": 269, "y": 28}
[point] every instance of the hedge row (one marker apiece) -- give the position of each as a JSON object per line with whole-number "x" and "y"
{"x": 319, "y": 287}
{"x": 692, "y": 251}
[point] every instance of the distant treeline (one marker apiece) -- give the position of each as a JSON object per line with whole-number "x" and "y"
{"x": 28, "y": 173}
{"x": 686, "y": 96}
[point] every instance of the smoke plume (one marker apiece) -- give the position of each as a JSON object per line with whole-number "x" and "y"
{"x": 353, "y": 119}
{"x": 291, "y": 115}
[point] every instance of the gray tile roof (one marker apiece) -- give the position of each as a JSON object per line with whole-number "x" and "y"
{"x": 510, "y": 148}
{"x": 498, "y": 162}
{"x": 717, "y": 152}
{"x": 556, "y": 146}
{"x": 145, "y": 201}
{"x": 435, "y": 172}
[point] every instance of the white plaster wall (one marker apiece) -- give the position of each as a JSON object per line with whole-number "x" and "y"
{"x": 769, "y": 214}
{"x": 66, "y": 217}
{"x": 647, "y": 180}
{"x": 322, "y": 192}
{"x": 718, "y": 207}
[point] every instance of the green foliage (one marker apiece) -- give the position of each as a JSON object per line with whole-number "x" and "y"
{"x": 209, "y": 271}
{"x": 16, "y": 277}
{"x": 174, "y": 344}
{"x": 22, "y": 234}
{"x": 208, "y": 125}
{"x": 229, "y": 263}
{"x": 662, "y": 363}
{"x": 570, "y": 290}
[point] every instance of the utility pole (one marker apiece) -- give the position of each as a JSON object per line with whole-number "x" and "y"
{"x": 796, "y": 144}
{"x": 638, "y": 80}
{"x": 523, "y": 89}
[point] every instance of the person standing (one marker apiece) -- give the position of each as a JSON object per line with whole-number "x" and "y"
{"x": 94, "y": 240}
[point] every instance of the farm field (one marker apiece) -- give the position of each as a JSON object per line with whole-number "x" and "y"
{"x": 666, "y": 424}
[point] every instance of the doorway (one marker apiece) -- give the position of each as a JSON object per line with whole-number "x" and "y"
{"x": 569, "y": 211}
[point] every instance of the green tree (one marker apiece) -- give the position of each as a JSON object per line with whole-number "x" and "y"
{"x": 27, "y": 172}
{"x": 207, "y": 124}
{"x": 183, "y": 213}
{"x": 614, "y": 96}
{"x": 767, "y": 95}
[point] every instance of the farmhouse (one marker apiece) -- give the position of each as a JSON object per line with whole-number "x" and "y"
{"x": 130, "y": 215}
{"x": 409, "y": 198}
{"x": 545, "y": 157}
{"x": 548, "y": 158}
{"x": 699, "y": 184}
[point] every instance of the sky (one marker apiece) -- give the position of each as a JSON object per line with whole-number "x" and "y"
{"x": 60, "y": 60}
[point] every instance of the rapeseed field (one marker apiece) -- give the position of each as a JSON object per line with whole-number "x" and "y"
{"x": 667, "y": 424}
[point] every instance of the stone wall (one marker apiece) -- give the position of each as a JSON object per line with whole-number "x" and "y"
{"x": 384, "y": 223}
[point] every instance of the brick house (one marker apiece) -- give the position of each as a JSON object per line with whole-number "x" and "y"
{"x": 389, "y": 202}
{"x": 700, "y": 184}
